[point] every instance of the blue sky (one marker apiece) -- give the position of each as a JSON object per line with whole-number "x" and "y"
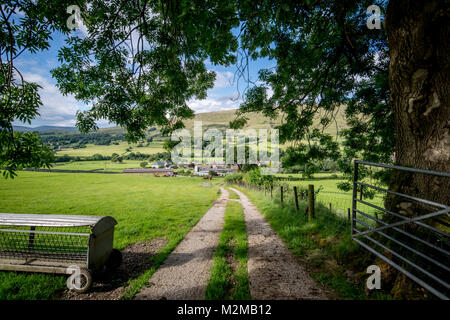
{"x": 59, "y": 110}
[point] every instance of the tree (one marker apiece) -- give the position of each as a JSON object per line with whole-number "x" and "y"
{"x": 142, "y": 60}
{"x": 327, "y": 60}
{"x": 114, "y": 157}
{"x": 419, "y": 76}
{"x": 19, "y": 99}
{"x": 143, "y": 164}
{"x": 392, "y": 84}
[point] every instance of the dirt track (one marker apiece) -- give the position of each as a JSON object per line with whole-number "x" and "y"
{"x": 185, "y": 273}
{"x": 272, "y": 269}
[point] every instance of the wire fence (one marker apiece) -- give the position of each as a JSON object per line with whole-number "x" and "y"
{"x": 284, "y": 195}
{"x": 338, "y": 203}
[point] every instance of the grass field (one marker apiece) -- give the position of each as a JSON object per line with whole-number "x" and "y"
{"x": 229, "y": 276}
{"x": 98, "y": 165}
{"x": 145, "y": 208}
{"x": 121, "y": 148}
{"x": 232, "y": 194}
{"x": 329, "y": 193}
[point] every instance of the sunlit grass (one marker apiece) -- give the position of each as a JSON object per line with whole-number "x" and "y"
{"x": 145, "y": 208}
{"x": 229, "y": 276}
{"x": 91, "y": 149}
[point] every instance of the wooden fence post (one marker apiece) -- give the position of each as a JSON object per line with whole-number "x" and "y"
{"x": 296, "y": 199}
{"x": 271, "y": 195}
{"x": 310, "y": 202}
{"x": 281, "y": 191}
{"x": 348, "y": 213}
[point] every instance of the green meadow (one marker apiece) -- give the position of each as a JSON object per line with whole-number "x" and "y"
{"x": 328, "y": 192}
{"x": 91, "y": 149}
{"x": 98, "y": 165}
{"x": 148, "y": 207}
{"x": 145, "y": 208}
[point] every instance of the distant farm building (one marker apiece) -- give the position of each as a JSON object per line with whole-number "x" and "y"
{"x": 162, "y": 164}
{"x": 220, "y": 170}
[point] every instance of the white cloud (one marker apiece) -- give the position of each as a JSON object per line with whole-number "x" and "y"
{"x": 56, "y": 108}
{"x": 215, "y": 103}
{"x": 224, "y": 79}
{"x": 60, "y": 110}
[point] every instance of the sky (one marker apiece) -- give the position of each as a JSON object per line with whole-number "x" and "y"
{"x": 60, "y": 110}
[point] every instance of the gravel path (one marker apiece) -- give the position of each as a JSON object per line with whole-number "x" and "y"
{"x": 272, "y": 269}
{"x": 185, "y": 273}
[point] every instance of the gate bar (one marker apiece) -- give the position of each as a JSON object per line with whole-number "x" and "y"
{"x": 390, "y": 166}
{"x": 424, "y": 225}
{"x": 402, "y": 244}
{"x": 431, "y": 203}
{"x": 399, "y": 223}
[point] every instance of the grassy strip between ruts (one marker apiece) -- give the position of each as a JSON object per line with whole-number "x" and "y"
{"x": 229, "y": 275}
{"x": 324, "y": 245}
{"x": 232, "y": 194}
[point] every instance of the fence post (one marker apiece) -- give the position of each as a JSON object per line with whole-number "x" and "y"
{"x": 355, "y": 194}
{"x": 330, "y": 206}
{"x": 310, "y": 202}
{"x": 348, "y": 214}
{"x": 281, "y": 192}
{"x": 296, "y": 198}
{"x": 271, "y": 195}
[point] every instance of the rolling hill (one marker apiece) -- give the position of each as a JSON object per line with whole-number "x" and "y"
{"x": 216, "y": 119}
{"x": 68, "y": 140}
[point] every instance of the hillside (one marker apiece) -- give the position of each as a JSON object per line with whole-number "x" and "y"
{"x": 44, "y": 128}
{"x": 106, "y": 141}
{"x": 216, "y": 119}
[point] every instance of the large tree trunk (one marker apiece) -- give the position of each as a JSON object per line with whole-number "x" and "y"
{"x": 418, "y": 36}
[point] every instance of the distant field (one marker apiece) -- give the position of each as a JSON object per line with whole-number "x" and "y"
{"x": 92, "y": 149}
{"x": 145, "y": 208}
{"x": 98, "y": 165}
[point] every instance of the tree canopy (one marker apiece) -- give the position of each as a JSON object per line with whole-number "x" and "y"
{"x": 140, "y": 61}
{"x": 327, "y": 61}
{"x": 26, "y": 26}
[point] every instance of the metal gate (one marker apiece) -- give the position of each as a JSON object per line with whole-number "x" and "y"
{"x": 415, "y": 243}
